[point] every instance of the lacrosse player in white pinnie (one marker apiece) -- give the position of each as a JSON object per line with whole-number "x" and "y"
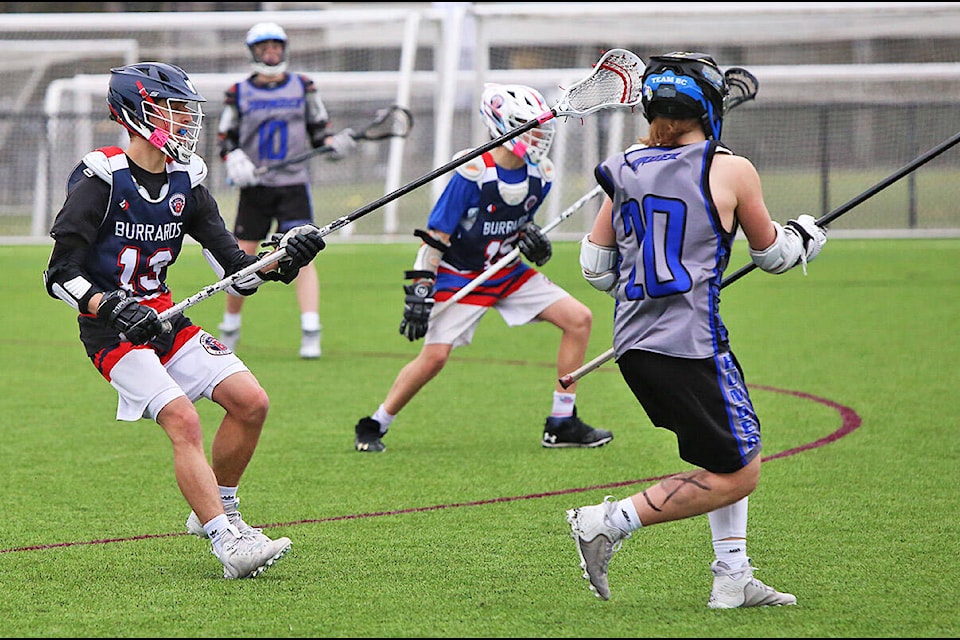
{"x": 659, "y": 245}
{"x": 485, "y": 211}
{"x": 122, "y": 225}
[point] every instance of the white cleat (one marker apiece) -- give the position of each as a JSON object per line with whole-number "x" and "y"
{"x": 733, "y": 589}
{"x": 596, "y": 542}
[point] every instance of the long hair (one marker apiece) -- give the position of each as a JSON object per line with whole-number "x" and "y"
{"x": 664, "y": 132}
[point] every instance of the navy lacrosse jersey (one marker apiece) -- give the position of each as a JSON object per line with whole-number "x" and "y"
{"x": 139, "y": 237}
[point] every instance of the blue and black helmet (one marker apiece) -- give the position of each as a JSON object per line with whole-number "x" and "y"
{"x": 685, "y": 85}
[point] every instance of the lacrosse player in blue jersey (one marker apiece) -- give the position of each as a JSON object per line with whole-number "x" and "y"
{"x": 485, "y": 211}
{"x": 122, "y": 225}
{"x": 659, "y": 246}
{"x": 267, "y": 118}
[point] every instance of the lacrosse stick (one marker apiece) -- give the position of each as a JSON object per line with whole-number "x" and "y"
{"x": 741, "y": 87}
{"x": 513, "y": 255}
{"x": 392, "y": 122}
{"x": 614, "y": 82}
{"x": 826, "y": 219}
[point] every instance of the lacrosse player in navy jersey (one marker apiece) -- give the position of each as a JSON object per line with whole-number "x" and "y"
{"x": 267, "y": 118}
{"x": 122, "y": 225}
{"x": 485, "y": 211}
{"x": 659, "y": 245}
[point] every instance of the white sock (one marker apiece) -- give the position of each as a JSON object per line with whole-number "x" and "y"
{"x": 563, "y": 404}
{"x": 310, "y": 321}
{"x": 231, "y": 321}
{"x": 228, "y": 495}
{"x": 216, "y": 528}
{"x": 625, "y": 516}
{"x": 728, "y": 526}
{"x": 384, "y": 418}
{"x": 732, "y": 553}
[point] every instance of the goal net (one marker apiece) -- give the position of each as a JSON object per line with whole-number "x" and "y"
{"x": 849, "y": 93}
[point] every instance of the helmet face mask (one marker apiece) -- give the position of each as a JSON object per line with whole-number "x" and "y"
{"x": 504, "y": 107}
{"x": 159, "y": 103}
{"x": 685, "y": 85}
{"x": 267, "y": 32}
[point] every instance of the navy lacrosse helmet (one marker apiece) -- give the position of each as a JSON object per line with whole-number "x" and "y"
{"x": 132, "y": 99}
{"x": 685, "y": 85}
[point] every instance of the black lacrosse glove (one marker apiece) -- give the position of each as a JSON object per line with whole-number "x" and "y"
{"x": 302, "y": 244}
{"x": 417, "y": 304}
{"x": 135, "y": 322}
{"x": 534, "y": 244}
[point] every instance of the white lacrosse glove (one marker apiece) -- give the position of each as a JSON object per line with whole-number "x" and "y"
{"x": 241, "y": 172}
{"x": 811, "y": 234}
{"x": 343, "y": 143}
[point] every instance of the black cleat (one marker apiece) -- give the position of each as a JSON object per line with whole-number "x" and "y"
{"x": 368, "y": 436}
{"x": 572, "y": 432}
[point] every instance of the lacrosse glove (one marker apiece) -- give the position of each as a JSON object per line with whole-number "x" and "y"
{"x": 135, "y": 322}
{"x": 417, "y": 304}
{"x": 812, "y": 235}
{"x": 343, "y": 143}
{"x": 534, "y": 244}
{"x": 241, "y": 171}
{"x": 302, "y": 245}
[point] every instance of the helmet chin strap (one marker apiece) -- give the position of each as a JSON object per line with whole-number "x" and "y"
{"x": 268, "y": 70}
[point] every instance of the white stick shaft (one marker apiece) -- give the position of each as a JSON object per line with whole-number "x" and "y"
{"x": 513, "y": 255}
{"x": 593, "y": 365}
{"x": 216, "y": 287}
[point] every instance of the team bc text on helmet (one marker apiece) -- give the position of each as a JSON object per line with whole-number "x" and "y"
{"x": 685, "y": 85}
{"x": 267, "y": 32}
{"x": 504, "y": 107}
{"x": 150, "y": 99}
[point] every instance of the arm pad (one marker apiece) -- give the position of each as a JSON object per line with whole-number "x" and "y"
{"x": 598, "y": 265}
{"x": 784, "y": 254}
{"x": 430, "y": 252}
{"x": 244, "y": 287}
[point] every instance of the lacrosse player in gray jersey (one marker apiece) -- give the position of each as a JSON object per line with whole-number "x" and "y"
{"x": 659, "y": 246}
{"x": 267, "y": 118}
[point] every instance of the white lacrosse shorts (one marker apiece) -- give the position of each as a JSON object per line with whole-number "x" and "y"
{"x": 456, "y": 325}
{"x": 145, "y": 385}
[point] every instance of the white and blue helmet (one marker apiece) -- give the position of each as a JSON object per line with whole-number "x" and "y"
{"x": 262, "y": 32}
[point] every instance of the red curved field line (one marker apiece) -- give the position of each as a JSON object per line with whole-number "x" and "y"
{"x": 850, "y": 421}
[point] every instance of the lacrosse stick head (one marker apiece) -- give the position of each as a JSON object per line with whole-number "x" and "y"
{"x": 505, "y": 107}
{"x": 742, "y": 86}
{"x": 615, "y": 82}
{"x": 682, "y": 85}
{"x": 392, "y": 122}
{"x": 267, "y": 32}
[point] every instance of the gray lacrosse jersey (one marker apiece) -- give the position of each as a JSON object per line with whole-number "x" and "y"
{"x": 673, "y": 250}
{"x": 273, "y": 127}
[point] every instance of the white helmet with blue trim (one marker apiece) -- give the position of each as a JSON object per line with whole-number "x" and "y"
{"x": 263, "y": 32}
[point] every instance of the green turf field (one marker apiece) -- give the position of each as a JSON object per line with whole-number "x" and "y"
{"x": 458, "y": 529}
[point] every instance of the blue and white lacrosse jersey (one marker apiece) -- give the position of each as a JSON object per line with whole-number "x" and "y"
{"x": 483, "y": 208}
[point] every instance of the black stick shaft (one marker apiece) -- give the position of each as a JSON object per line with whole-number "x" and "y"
{"x": 908, "y": 168}
{"x": 913, "y": 165}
